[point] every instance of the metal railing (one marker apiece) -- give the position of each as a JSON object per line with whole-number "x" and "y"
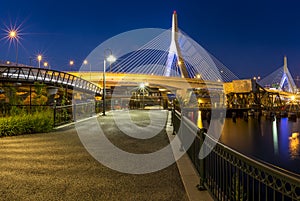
{"x": 52, "y": 77}
{"x": 230, "y": 175}
{"x": 71, "y": 113}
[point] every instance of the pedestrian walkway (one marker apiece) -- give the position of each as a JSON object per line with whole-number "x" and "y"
{"x": 56, "y": 166}
{"x": 188, "y": 173}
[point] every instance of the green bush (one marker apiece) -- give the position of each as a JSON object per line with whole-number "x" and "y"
{"x": 37, "y": 122}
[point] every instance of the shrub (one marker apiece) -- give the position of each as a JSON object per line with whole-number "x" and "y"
{"x": 37, "y": 122}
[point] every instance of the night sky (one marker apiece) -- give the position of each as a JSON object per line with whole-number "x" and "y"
{"x": 249, "y": 37}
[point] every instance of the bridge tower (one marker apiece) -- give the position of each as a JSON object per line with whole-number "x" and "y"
{"x": 174, "y": 52}
{"x": 287, "y": 77}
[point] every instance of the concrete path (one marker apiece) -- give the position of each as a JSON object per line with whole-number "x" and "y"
{"x": 56, "y": 166}
{"x": 188, "y": 173}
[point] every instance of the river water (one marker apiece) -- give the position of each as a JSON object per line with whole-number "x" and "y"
{"x": 265, "y": 140}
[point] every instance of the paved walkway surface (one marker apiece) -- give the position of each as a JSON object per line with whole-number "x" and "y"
{"x": 56, "y": 166}
{"x": 188, "y": 173}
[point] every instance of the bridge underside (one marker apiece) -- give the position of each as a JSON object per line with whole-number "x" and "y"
{"x": 172, "y": 83}
{"x": 26, "y": 86}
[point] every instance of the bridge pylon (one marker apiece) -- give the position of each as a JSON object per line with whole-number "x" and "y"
{"x": 175, "y": 52}
{"x": 280, "y": 79}
{"x": 287, "y": 77}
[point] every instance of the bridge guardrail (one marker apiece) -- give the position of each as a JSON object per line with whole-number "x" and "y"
{"x": 230, "y": 175}
{"x": 31, "y": 74}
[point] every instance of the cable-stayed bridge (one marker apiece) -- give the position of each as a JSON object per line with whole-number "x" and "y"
{"x": 280, "y": 80}
{"x": 173, "y": 60}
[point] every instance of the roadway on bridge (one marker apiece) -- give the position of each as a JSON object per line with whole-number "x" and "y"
{"x": 56, "y": 166}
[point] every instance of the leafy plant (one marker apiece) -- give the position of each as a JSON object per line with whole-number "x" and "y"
{"x": 23, "y": 123}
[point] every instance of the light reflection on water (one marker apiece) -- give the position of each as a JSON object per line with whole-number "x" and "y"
{"x": 265, "y": 140}
{"x": 275, "y": 137}
{"x": 294, "y": 148}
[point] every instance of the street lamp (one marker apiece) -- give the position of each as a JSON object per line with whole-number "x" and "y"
{"x": 142, "y": 87}
{"x": 110, "y": 59}
{"x": 46, "y": 64}
{"x": 39, "y": 58}
{"x": 71, "y": 64}
{"x": 13, "y": 35}
{"x": 85, "y": 62}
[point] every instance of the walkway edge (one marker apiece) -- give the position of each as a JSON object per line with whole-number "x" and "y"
{"x": 189, "y": 175}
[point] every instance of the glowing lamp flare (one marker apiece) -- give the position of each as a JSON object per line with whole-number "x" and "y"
{"x": 293, "y": 98}
{"x": 142, "y": 85}
{"x": 111, "y": 58}
{"x": 13, "y": 34}
{"x": 39, "y": 57}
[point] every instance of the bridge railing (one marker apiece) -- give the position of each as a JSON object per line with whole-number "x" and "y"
{"x": 30, "y": 74}
{"x": 230, "y": 175}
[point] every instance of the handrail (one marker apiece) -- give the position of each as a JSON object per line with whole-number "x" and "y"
{"x": 230, "y": 175}
{"x": 31, "y": 74}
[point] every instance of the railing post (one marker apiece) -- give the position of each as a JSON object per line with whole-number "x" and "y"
{"x": 201, "y": 133}
{"x": 74, "y": 112}
{"x": 54, "y": 113}
{"x": 173, "y": 123}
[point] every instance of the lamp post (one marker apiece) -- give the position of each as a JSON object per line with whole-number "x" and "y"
{"x": 110, "y": 59}
{"x": 142, "y": 87}
{"x": 39, "y": 58}
{"x": 71, "y": 64}
{"x": 85, "y": 62}
{"x": 13, "y": 35}
{"x": 46, "y": 64}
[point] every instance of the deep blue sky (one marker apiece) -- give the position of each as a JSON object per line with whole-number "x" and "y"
{"x": 249, "y": 37}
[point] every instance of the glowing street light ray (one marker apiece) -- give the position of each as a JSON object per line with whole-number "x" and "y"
{"x": 46, "y": 64}
{"x": 13, "y": 34}
{"x": 39, "y": 58}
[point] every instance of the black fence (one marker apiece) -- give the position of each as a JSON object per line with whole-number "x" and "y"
{"x": 71, "y": 113}
{"x": 230, "y": 175}
{"x": 62, "y": 114}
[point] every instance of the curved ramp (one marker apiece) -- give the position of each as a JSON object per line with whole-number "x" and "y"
{"x": 50, "y": 77}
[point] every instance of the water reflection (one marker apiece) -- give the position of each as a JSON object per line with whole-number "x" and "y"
{"x": 264, "y": 139}
{"x": 294, "y": 147}
{"x": 199, "y": 121}
{"x": 275, "y": 137}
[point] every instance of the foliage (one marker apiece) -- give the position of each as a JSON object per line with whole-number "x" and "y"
{"x": 39, "y": 97}
{"x": 26, "y": 123}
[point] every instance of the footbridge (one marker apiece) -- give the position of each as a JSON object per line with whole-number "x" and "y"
{"x": 56, "y": 78}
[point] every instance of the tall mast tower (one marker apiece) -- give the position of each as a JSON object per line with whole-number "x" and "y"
{"x": 174, "y": 50}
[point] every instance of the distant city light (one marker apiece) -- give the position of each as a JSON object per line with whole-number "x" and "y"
{"x": 293, "y": 98}
{"x": 142, "y": 85}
